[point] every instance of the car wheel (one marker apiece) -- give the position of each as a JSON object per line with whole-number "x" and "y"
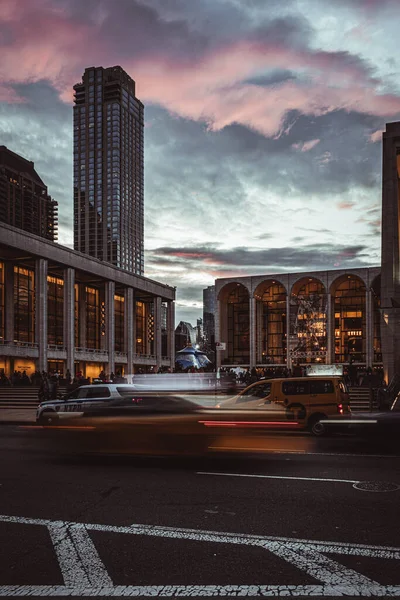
{"x": 48, "y": 418}
{"x": 316, "y": 427}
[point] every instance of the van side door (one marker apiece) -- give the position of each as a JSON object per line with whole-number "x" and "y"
{"x": 296, "y": 396}
{"x": 323, "y": 397}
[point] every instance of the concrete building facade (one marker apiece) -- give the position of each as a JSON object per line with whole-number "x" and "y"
{"x": 286, "y": 319}
{"x": 60, "y": 309}
{"x": 109, "y": 169}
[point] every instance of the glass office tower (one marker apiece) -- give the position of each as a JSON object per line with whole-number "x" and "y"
{"x": 108, "y": 168}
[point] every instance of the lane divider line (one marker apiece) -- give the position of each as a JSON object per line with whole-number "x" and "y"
{"x": 278, "y": 477}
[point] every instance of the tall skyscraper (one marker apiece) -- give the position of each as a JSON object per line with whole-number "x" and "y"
{"x": 24, "y": 201}
{"x": 209, "y": 314}
{"x": 108, "y": 168}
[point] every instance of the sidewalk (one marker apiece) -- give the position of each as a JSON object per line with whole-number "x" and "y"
{"x": 17, "y": 416}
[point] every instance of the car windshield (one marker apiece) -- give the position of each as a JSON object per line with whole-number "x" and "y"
{"x": 256, "y": 391}
{"x": 396, "y": 404}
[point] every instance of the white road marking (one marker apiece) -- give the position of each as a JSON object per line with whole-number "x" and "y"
{"x": 79, "y": 561}
{"x": 76, "y": 552}
{"x": 348, "y": 454}
{"x": 319, "y": 566}
{"x": 186, "y": 591}
{"x": 277, "y": 477}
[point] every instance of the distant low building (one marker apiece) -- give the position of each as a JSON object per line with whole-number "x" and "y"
{"x": 185, "y": 334}
{"x": 200, "y": 333}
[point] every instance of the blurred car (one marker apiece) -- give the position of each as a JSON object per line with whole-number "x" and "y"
{"x": 382, "y": 424}
{"x": 161, "y": 424}
{"x": 80, "y": 400}
{"x": 306, "y": 400}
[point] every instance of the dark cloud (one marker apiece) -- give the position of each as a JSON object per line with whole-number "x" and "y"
{"x": 318, "y": 256}
{"x": 215, "y": 164}
{"x": 137, "y": 28}
{"x": 273, "y": 78}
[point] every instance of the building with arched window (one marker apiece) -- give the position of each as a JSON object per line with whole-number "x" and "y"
{"x": 324, "y": 316}
{"x": 292, "y": 319}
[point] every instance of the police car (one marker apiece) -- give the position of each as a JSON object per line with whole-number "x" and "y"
{"x": 82, "y": 400}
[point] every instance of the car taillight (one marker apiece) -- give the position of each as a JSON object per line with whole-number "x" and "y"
{"x": 340, "y": 409}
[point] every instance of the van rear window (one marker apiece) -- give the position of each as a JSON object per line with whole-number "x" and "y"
{"x": 322, "y": 387}
{"x": 295, "y": 388}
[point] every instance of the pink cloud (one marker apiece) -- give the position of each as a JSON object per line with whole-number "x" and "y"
{"x": 376, "y": 223}
{"x": 325, "y": 158}
{"x": 50, "y": 44}
{"x": 305, "y": 146}
{"x": 47, "y": 44}
{"x": 376, "y": 136}
{"x": 345, "y": 205}
{"x": 210, "y": 92}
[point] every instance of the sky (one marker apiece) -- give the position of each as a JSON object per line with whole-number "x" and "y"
{"x": 263, "y": 123}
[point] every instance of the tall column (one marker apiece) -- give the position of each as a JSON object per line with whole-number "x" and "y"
{"x": 129, "y": 322}
{"x": 69, "y": 318}
{"x": 218, "y": 329}
{"x": 369, "y": 329}
{"x": 259, "y": 325}
{"x": 109, "y": 293}
{"x": 390, "y": 275}
{"x": 252, "y": 332}
{"x": 41, "y": 311}
{"x": 288, "y": 334}
{"x": 9, "y": 301}
{"x": 330, "y": 331}
{"x": 82, "y": 314}
{"x": 171, "y": 333}
{"x": 157, "y": 330}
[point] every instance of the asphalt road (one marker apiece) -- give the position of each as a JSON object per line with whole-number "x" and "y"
{"x": 292, "y": 522}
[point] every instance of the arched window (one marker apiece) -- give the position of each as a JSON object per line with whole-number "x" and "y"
{"x": 308, "y": 304}
{"x": 238, "y": 321}
{"x": 271, "y": 324}
{"x": 376, "y": 304}
{"x": 350, "y": 320}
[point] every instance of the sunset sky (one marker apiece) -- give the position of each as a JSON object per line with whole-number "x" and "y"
{"x": 263, "y": 123}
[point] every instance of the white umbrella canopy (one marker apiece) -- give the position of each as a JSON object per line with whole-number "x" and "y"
{"x": 191, "y": 357}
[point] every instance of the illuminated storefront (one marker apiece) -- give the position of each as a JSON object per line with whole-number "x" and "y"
{"x": 1, "y": 303}
{"x": 55, "y": 308}
{"x": 119, "y": 304}
{"x": 308, "y": 308}
{"x": 24, "y": 305}
{"x": 350, "y": 319}
{"x": 271, "y": 323}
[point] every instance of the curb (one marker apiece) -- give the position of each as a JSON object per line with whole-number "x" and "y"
{"x": 17, "y": 422}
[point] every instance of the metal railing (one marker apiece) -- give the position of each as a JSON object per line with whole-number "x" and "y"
{"x": 91, "y": 351}
{"x": 19, "y": 344}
